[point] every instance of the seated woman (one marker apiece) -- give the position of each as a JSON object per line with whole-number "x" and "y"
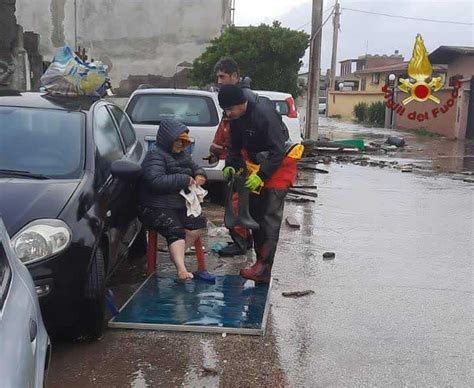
{"x": 165, "y": 172}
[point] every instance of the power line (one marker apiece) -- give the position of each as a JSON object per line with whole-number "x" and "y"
{"x": 304, "y": 25}
{"x": 322, "y": 25}
{"x": 408, "y": 17}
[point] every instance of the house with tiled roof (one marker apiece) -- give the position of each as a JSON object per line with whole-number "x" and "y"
{"x": 451, "y": 111}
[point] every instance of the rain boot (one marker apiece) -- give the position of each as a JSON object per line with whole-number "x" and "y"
{"x": 229, "y": 216}
{"x": 260, "y": 272}
{"x": 244, "y": 218}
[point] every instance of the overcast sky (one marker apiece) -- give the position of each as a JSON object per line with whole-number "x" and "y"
{"x": 382, "y": 35}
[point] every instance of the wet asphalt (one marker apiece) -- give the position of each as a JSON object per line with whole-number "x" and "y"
{"x": 393, "y": 308}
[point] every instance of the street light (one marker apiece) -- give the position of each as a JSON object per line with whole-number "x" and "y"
{"x": 391, "y": 82}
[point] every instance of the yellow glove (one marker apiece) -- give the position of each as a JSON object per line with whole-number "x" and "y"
{"x": 253, "y": 182}
{"x": 228, "y": 172}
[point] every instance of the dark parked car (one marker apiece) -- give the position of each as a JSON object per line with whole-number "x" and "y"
{"x": 67, "y": 199}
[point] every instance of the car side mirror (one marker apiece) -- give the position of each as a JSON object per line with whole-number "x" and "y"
{"x": 125, "y": 169}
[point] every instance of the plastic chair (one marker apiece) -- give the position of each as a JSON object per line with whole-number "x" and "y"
{"x": 201, "y": 272}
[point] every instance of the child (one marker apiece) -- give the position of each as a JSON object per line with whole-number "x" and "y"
{"x": 165, "y": 172}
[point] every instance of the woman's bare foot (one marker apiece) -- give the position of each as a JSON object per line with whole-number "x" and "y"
{"x": 185, "y": 275}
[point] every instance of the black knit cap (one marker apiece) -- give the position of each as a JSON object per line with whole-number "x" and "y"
{"x": 230, "y": 95}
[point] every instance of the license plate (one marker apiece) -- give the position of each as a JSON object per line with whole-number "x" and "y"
{"x": 151, "y": 145}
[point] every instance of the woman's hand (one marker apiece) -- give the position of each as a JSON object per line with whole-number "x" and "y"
{"x": 200, "y": 180}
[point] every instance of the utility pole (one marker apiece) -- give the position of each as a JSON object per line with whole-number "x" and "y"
{"x": 335, "y": 34}
{"x": 312, "y": 108}
{"x": 232, "y": 12}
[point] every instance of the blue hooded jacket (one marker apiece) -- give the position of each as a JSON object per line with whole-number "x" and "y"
{"x": 164, "y": 173}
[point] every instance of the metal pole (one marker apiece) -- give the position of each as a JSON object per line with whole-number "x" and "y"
{"x": 335, "y": 34}
{"x": 75, "y": 25}
{"x": 391, "y": 110}
{"x": 312, "y": 108}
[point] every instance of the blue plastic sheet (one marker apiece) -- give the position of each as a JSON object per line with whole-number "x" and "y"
{"x": 231, "y": 304}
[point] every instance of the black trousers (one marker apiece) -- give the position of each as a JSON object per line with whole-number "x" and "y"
{"x": 267, "y": 209}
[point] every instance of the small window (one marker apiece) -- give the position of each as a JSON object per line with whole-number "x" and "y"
{"x": 454, "y": 78}
{"x": 376, "y": 78}
{"x": 107, "y": 141}
{"x": 5, "y": 276}
{"x": 281, "y": 107}
{"x": 126, "y": 129}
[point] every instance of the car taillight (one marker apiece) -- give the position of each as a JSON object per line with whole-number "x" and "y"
{"x": 292, "y": 113}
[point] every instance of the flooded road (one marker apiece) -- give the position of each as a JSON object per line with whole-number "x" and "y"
{"x": 436, "y": 153}
{"x": 394, "y": 307}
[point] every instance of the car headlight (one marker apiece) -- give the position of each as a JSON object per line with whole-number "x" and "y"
{"x": 41, "y": 239}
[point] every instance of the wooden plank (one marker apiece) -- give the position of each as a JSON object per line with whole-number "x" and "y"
{"x": 302, "y": 192}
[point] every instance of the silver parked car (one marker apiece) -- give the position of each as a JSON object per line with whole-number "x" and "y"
{"x": 24, "y": 344}
{"x": 197, "y": 109}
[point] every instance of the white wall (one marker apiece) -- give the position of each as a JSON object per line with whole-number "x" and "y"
{"x": 135, "y": 37}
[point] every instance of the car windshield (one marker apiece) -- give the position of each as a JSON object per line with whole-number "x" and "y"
{"x": 44, "y": 143}
{"x": 191, "y": 110}
{"x": 322, "y": 100}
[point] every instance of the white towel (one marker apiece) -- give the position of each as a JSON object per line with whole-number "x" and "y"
{"x": 194, "y": 199}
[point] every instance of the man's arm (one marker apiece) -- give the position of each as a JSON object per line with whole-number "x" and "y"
{"x": 234, "y": 157}
{"x": 220, "y": 143}
{"x": 270, "y": 124}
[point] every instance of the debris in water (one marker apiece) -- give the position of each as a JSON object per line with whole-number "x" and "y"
{"x": 329, "y": 255}
{"x": 297, "y": 294}
{"x": 310, "y": 168}
{"x": 298, "y": 199}
{"x": 305, "y": 187}
{"x": 407, "y": 169}
{"x": 216, "y": 247}
{"x": 468, "y": 180}
{"x": 303, "y": 192}
{"x": 396, "y": 141}
{"x": 209, "y": 371}
{"x": 293, "y": 222}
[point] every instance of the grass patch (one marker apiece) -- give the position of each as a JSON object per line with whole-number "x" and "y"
{"x": 424, "y": 132}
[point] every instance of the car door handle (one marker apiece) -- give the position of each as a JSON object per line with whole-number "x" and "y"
{"x": 33, "y": 330}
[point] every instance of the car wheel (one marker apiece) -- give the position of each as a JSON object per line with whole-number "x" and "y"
{"x": 93, "y": 312}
